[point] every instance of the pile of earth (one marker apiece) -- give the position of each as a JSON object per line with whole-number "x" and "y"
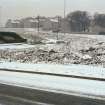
{"x": 75, "y": 50}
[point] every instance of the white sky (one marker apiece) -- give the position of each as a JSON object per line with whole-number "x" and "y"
{"x": 24, "y": 8}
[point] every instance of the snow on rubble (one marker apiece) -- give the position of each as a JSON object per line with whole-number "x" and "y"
{"x": 69, "y": 49}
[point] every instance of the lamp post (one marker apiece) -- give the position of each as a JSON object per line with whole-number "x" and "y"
{"x": 38, "y": 24}
{"x": 64, "y": 15}
{"x": 0, "y": 16}
{"x": 64, "y": 8}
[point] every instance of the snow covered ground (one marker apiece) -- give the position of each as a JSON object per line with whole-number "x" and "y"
{"x": 15, "y": 46}
{"x": 57, "y": 59}
{"x": 76, "y": 70}
{"x": 72, "y": 86}
{"x": 76, "y": 49}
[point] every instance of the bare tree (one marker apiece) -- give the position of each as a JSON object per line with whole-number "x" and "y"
{"x": 79, "y": 21}
{"x": 99, "y": 20}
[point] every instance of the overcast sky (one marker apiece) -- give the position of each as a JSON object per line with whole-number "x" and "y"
{"x": 24, "y": 8}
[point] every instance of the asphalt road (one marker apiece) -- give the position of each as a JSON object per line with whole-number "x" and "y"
{"x": 10, "y": 100}
{"x": 58, "y": 84}
{"x": 28, "y": 97}
{"x": 27, "y": 89}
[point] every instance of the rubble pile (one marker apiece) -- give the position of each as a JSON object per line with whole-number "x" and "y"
{"x": 97, "y": 54}
{"x": 37, "y": 56}
{"x": 73, "y": 51}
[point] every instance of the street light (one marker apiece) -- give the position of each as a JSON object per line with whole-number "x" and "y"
{"x": 64, "y": 14}
{"x": 0, "y": 16}
{"x": 38, "y": 24}
{"x": 64, "y": 8}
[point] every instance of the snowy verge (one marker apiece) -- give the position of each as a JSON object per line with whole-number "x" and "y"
{"x": 76, "y": 70}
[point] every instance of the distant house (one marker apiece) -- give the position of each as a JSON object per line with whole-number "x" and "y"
{"x": 23, "y": 23}
{"x": 8, "y": 24}
{"x": 13, "y": 24}
{"x": 51, "y": 24}
{"x": 54, "y": 24}
{"x": 47, "y": 25}
{"x": 34, "y": 23}
{"x": 65, "y": 26}
{"x": 16, "y": 24}
{"x": 30, "y": 23}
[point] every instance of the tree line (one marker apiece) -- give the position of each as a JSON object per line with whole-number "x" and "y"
{"x": 80, "y": 21}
